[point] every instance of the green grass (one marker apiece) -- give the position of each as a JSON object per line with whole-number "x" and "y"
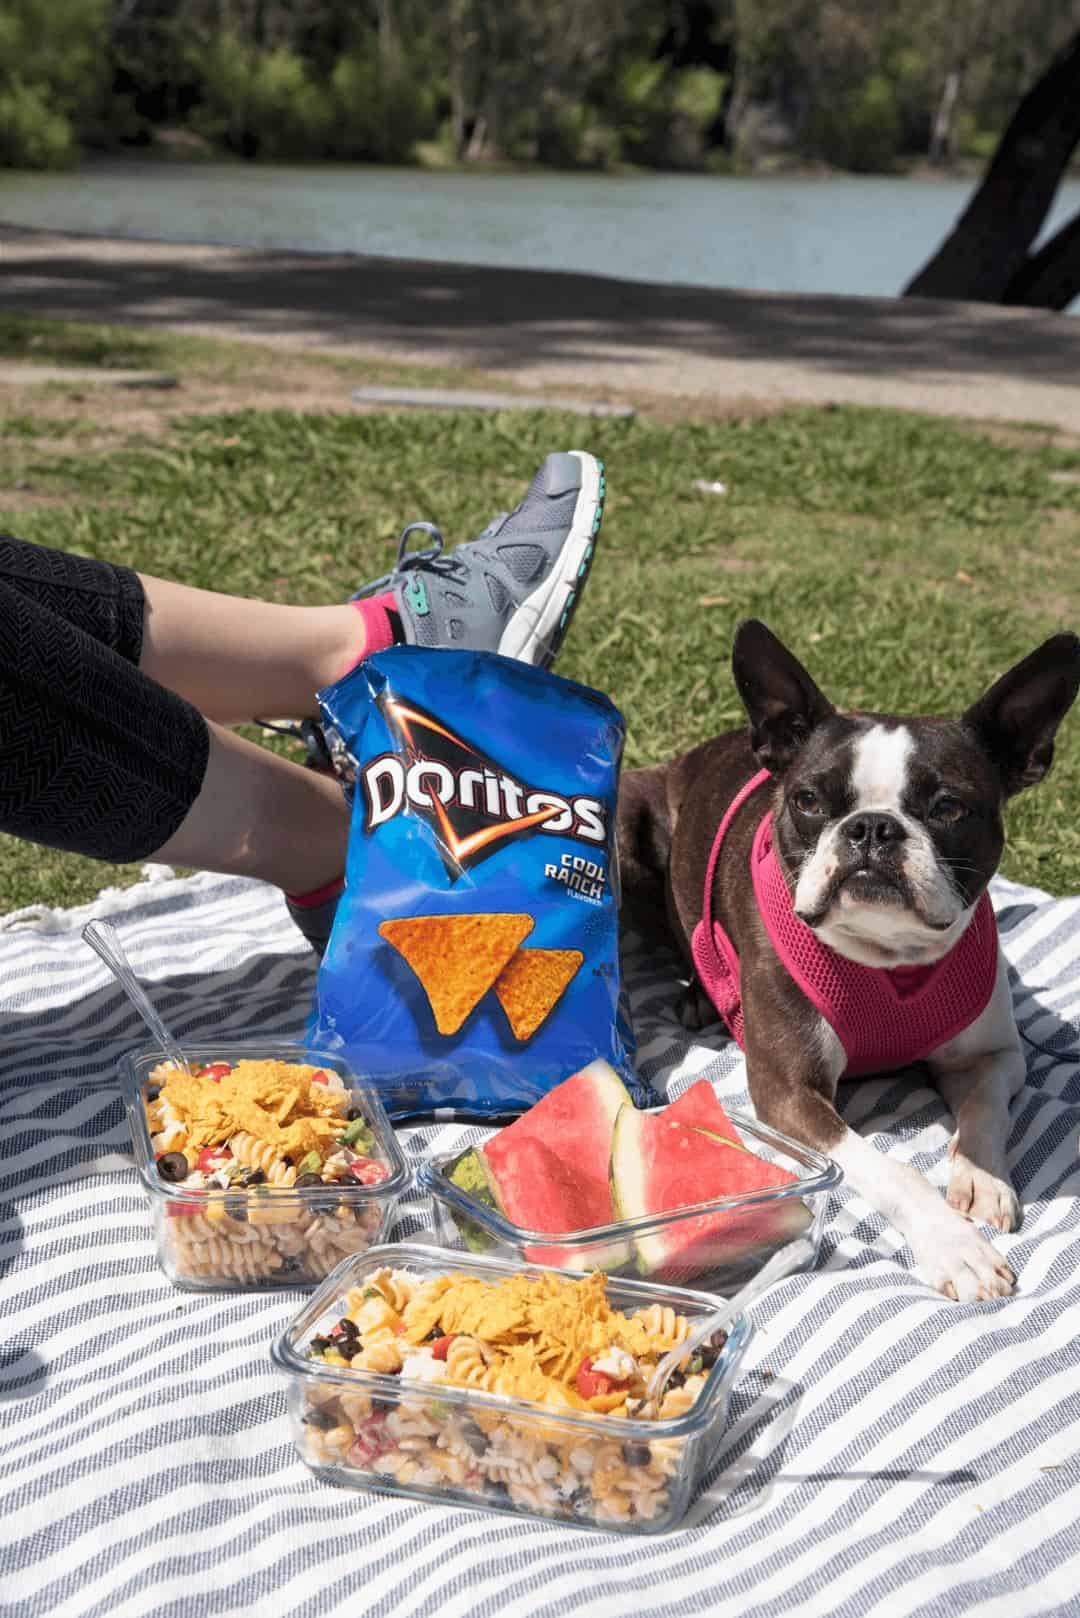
{"x": 908, "y": 560}
{"x": 110, "y": 348}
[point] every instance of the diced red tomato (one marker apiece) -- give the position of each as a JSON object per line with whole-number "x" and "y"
{"x": 320, "y": 1077}
{"x": 367, "y": 1171}
{"x": 592, "y": 1384}
{"x": 182, "y": 1210}
{"x": 441, "y": 1345}
{"x": 212, "y": 1158}
{"x": 215, "y": 1071}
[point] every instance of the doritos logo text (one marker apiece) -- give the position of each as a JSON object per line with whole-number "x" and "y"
{"x": 475, "y": 805}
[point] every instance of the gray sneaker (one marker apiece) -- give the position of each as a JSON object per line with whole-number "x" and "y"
{"x": 515, "y": 587}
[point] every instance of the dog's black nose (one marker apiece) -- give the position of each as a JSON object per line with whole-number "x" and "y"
{"x": 873, "y": 830}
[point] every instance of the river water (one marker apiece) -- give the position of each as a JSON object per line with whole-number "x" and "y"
{"x": 842, "y": 234}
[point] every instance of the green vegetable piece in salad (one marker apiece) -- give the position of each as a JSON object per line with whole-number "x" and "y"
{"x": 358, "y": 1134}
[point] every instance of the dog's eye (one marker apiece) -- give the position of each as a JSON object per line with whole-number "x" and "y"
{"x": 806, "y": 801}
{"x": 950, "y": 811}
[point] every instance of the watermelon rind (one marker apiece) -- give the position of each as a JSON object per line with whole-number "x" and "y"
{"x": 731, "y": 1240}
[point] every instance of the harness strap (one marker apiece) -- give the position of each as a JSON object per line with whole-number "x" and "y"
{"x": 730, "y": 812}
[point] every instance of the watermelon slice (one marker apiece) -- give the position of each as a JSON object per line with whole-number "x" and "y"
{"x": 699, "y": 1108}
{"x": 658, "y": 1165}
{"x": 565, "y": 1186}
{"x": 575, "y": 1120}
{"x": 540, "y": 1190}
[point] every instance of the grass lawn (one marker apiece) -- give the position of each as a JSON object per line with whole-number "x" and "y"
{"x": 907, "y": 559}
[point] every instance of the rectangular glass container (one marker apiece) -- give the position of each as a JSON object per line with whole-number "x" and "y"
{"x": 262, "y": 1237}
{"x": 718, "y": 1244}
{"x": 462, "y": 1446}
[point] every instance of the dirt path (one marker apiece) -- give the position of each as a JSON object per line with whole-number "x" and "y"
{"x": 542, "y": 329}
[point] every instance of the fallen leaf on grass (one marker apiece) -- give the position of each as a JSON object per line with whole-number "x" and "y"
{"x": 962, "y": 577}
{"x": 714, "y": 601}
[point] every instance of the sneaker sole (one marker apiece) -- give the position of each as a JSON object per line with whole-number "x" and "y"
{"x": 538, "y": 627}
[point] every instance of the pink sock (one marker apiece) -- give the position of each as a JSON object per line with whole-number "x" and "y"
{"x": 317, "y": 896}
{"x": 378, "y": 627}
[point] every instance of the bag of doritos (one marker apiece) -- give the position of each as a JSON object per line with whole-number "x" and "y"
{"x": 473, "y": 962}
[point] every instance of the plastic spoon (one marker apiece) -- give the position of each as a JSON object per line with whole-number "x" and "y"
{"x": 789, "y": 1258}
{"x": 105, "y": 941}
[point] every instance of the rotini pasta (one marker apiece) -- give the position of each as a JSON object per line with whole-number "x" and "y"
{"x": 467, "y": 1363}
{"x": 256, "y": 1154}
{"x": 395, "y": 1286}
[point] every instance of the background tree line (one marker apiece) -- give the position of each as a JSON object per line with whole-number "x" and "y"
{"x": 743, "y": 84}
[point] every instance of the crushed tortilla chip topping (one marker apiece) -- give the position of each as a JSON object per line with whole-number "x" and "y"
{"x": 274, "y": 1101}
{"x": 536, "y": 1330}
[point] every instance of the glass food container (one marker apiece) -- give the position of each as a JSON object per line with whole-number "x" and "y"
{"x": 252, "y": 1233}
{"x": 718, "y": 1244}
{"x": 460, "y": 1445}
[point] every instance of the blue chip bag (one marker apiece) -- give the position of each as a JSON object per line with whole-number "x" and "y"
{"x": 474, "y": 960}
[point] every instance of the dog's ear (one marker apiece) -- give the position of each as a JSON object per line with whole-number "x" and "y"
{"x": 781, "y": 700}
{"x": 1017, "y": 719}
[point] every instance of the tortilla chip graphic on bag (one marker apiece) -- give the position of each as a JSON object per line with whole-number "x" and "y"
{"x": 531, "y": 985}
{"x": 456, "y": 958}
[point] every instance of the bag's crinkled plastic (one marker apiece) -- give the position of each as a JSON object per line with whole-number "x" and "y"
{"x": 474, "y": 960}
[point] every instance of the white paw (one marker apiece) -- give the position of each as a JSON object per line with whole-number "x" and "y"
{"x": 955, "y": 1259}
{"x": 981, "y": 1196}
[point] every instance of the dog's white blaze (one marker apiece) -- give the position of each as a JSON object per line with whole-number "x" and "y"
{"x": 879, "y": 770}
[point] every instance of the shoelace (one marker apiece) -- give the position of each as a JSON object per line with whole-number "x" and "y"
{"x": 431, "y": 555}
{"x": 406, "y": 558}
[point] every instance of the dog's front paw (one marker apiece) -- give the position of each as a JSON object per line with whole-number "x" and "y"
{"x": 955, "y": 1259}
{"x": 696, "y": 1010}
{"x": 982, "y": 1196}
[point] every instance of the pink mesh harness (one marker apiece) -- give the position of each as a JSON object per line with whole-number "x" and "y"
{"x": 883, "y": 1019}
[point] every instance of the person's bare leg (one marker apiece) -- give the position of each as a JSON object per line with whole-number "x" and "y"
{"x": 260, "y": 815}
{"x": 234, "y": 658}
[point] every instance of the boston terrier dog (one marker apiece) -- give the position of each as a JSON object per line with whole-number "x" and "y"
{"x": 824, "y": 874}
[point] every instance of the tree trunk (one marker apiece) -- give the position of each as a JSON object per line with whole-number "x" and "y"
{"x": 456, "y": 75}
{"x": 941, "y": 140}
{"x": 1050, "y": 278}
{"x": 389, "y": 40}
{"x": 988, "y": 247}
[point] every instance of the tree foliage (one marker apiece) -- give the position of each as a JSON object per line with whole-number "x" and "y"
{"x": 858, "y": 84}
{"x": 53, "y": 73}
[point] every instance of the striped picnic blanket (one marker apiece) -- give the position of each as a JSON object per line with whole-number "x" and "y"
{"x": 889, "y": 1452}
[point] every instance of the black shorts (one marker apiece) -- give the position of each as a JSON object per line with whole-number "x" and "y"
{"x": 95, "y": 757}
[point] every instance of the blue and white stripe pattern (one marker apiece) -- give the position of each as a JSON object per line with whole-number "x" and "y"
{"x": 890, "y": 1454}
